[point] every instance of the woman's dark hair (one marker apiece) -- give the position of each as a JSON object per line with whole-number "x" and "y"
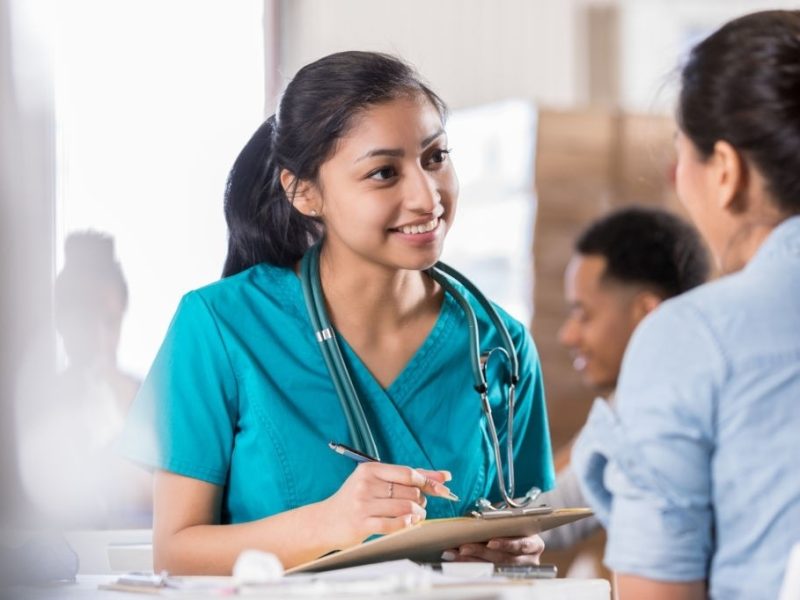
{"x": 89, "y": 263}
{"x": 742, "y": 85}
{"x": 647, "y": 247}
{"x": 316, "y": 110}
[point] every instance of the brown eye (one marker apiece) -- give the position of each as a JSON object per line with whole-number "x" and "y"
{"x": 383, "y": 174}
{"x": 439, "y": 155}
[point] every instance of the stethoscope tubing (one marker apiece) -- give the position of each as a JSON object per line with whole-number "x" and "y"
{"x": 357, "y": 423}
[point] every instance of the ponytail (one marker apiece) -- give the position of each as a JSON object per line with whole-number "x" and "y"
{"x": 263, "y": 226}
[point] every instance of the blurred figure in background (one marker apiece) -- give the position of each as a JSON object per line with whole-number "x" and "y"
{"x": 624, "y": 265}
{"x": 68, "y": 466}
{"x": 695, "y": 468}
{"x": 91, "y": 298}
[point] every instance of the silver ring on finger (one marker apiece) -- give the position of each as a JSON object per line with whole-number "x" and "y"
{"x": 391, "y": 489}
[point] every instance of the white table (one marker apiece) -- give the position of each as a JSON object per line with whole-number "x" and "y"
{"x": 86, "y": 588}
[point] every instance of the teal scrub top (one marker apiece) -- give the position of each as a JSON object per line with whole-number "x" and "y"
{"x": 239, "y": 396}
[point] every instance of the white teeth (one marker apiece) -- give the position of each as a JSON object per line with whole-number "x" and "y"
{"x": 424, "y": 228}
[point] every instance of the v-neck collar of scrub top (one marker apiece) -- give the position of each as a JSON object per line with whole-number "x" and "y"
{"x": 400, "y": 387}
{"x": 375, "y": 398}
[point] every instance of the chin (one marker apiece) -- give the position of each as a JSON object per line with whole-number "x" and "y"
{"x": 423, "y": 260}
{"x": 598, "y": 384}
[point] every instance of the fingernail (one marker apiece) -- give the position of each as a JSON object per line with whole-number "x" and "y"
{"x": 415, "y": 518}
{"x": 448, "y": 476}
{"x": 448, "y": 555}
{"x": 493, "y": 545}
{"x": 407, "y": 520}
{"x": 445, "y": 492}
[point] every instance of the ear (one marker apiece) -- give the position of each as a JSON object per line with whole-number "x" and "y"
{"x": 302, "y": 194}
{"x": 643, "y": 304}
{"x": 730, "y": 174}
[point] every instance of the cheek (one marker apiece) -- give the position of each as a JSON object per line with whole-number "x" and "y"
{"x": 605, "y": 338}
{"x": 448, "y": 190}
{"x": 357, "y": 214}
{"x": 685, "y": 185}
{"x": 452, "y": 185}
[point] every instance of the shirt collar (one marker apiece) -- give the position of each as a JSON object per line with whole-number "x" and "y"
{"x": 784, "y": 241}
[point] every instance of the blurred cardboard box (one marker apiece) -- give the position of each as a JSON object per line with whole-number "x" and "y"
{"x": 587, "y": 163}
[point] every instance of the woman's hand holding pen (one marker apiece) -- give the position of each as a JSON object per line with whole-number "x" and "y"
{"x": 380, "y": 498}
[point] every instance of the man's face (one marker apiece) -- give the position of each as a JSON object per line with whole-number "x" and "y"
{"x": 602, "y": 316}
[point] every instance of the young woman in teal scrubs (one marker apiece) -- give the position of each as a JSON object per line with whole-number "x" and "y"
{"x": 237, "y": 411}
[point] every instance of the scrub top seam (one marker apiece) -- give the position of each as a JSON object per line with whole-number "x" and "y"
{"x": 291, "y": 294}
{"x": 223, "y": 345}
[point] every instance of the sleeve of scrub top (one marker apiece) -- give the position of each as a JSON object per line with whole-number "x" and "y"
{"x": 184, "y": 417}
{"x": 533, "y": 455}
{"x": 645, "y": 466}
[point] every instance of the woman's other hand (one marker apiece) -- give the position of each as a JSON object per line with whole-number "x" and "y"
{"x": 508, "y": 551}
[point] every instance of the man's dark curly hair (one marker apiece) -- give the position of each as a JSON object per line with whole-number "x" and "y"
{"x": 648, "y": 247}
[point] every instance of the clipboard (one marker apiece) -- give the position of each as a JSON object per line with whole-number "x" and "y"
{"x": 425, "y": 541}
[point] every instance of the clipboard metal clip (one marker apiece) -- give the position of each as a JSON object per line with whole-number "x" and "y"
{"x": 484, "y": 509}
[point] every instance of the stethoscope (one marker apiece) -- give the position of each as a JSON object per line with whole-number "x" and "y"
{"x": 360, "y": 431}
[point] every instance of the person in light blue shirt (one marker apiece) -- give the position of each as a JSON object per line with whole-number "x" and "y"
{"x": 237, "y": 411}
{"x": 696, "y": 471}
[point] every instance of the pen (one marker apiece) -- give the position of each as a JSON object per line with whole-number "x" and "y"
{"x": 357, "y": 456}
{"x": 360, "y": 457}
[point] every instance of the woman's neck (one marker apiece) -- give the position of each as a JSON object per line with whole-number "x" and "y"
{"x": 745, "y": 241}
{"x": 359, "y": 292}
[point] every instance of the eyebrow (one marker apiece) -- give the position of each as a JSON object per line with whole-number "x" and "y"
{"x": 398, "y": 152}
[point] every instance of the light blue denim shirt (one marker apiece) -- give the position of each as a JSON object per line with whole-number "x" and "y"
{"x": 696, "y": 472}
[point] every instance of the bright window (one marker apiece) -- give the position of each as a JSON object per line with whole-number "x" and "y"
{"x": 153, "y": 102}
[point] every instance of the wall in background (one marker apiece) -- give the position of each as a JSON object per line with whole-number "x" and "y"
{"x": 472, "y": 52}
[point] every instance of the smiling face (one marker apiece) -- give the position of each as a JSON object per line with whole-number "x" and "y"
{"x": 602, "y": 317}
{"x": 388, "y": 193}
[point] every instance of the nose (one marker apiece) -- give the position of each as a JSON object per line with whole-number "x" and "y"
{"x": 422, "y": 193}
{"x": 569, "y": 334}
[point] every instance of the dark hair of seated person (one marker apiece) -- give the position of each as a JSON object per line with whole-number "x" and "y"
{"x": 649, "y": 247}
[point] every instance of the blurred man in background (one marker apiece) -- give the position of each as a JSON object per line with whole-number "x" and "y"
{"x": 624, "y": 265}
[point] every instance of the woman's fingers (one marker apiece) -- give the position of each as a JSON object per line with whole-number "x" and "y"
{"x": 479, "y": 552}
{"x": 383, "y": 489}
{"x": 396, "y": 508}
{"x": 525, "y": 545}
{"x": 393, "y": 473}
{"x": 513, "y": 551}
{"x": 385, "y": 525}
{"x": 407, "y": 476}
{"x": 440, "y": 476}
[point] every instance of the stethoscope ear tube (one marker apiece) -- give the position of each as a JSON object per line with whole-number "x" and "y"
{"x": 357, "y": 425}
{"x": 472, "y": 326}
{"x": 499, "y": 326}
